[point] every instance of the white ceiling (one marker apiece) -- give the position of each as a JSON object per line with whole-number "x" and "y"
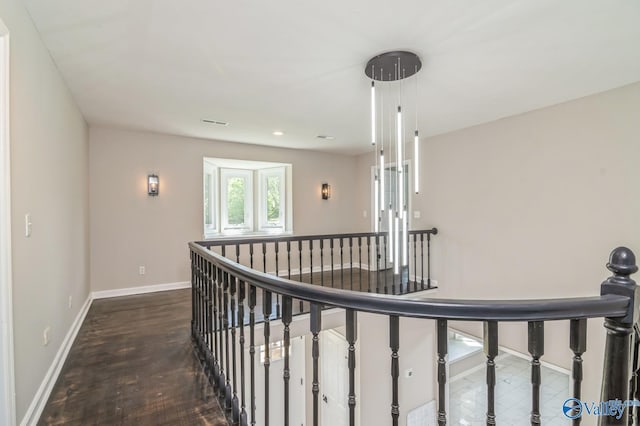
{"x": 297, "y": 65}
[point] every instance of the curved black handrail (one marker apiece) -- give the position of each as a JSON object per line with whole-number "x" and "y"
{"x": 284, "y": 238}
{"x": 472, "y": 310}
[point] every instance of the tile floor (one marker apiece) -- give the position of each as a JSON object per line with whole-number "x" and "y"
{"x": 468, "y": 395}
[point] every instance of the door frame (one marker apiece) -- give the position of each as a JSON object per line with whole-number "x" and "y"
{"x": 7, "y": 385}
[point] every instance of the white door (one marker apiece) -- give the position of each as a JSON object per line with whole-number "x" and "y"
{"x": 334, "y": 381}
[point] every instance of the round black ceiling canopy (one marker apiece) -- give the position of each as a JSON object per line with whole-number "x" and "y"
{"x": 393, "y": 66}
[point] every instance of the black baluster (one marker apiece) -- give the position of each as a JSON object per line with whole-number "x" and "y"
{"x": 193, "y": 295}
{"x": 394, "y": 344}
{"x": 536, "y": 349}
{"x": 634, "y": 393}
{"x": 266, "y": 309}
{"x": 351, "y": 263}
{"x": 321, "y": 262}
{"x": 216, "y": 326}
{"x": 286, "y": 321}
{"x": 617, "y": 364}
{"x": 316, "y": 326}
{"x": 442, "y": 370}
{"x": 422, "y": 261}
{"x": 429, "y": 260}
{"x": 378, "y": 263}
{"x": 300, "y": 262}
{"x": 221, "y": 322}
{"x": 369, "y": 264}
{"x": 331, "y": 247}
{"x": 277, "y": 249}
{"x": 341, "y": 264}
{"x": 386, "y": 274}
{"x": 241, "y": 297}
{"x": 252, "y": 350}
{"x": 352, "y": 335}
{"x": 264, "y": 257}
{"x": 237, "y": 253}
{"x": 227, "y": 344}
{"x": 415, "y": 263}
{"x": 235, "y": 406}
{"x": 311, "y": 261}
{"x": 491, "y": 351}
{"x": 288, "y": 259}
{"x": 360, "y": 263}
{"x": 251, "y": 255}
{"x": 578, "y": 344}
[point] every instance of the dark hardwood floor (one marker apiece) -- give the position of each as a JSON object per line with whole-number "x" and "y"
{"x": 133, "y": 364}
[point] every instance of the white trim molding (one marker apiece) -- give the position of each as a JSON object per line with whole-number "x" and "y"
{"x": 44, "y": 391}
{"x": 104, "y": 294}
{"x": 7, "y": 374}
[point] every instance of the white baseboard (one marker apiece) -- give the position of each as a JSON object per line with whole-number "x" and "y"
{"x": 140, "y": 290}
{"x": 44, "y": 391}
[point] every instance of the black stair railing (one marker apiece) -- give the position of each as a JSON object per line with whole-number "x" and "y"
{"x": 220, "y": 284}
{"x": 357, "y": 261}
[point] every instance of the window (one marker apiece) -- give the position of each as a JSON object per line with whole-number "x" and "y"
{"x": 236, "y": 195}
{"x": 272, "y": 198}
{"x": 231, "y": 206}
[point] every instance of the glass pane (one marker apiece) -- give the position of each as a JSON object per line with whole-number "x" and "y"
{"x": 273, "y": 199}
{"x": 235, "y": 200}
{"x": 208, "y": 219}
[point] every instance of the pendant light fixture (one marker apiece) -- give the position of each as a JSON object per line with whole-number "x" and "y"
{"x": 388, "y": 70}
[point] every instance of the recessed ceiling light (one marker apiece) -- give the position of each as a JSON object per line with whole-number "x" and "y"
{"x": 327, "y": 137}
{"x": 216, "y": 122}
{"x": 278, "y": 133}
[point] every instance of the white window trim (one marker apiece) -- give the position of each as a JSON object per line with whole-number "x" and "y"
{"x": 263, "y": 175}
{"x": 213, "y": 228}
{"x": 254, "y": 168}
{"x": 247, "y": 175}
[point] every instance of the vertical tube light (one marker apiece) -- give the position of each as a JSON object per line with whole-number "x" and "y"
{"x": 396, "y": 263}
{"x": 405, "y": 241}
{"x": 416, "y": 163}
{"x": 373, "y": 113}
{"x": 382, "y": 189}
{"x": 399, "y": 165}
{"x": 390, "y": 226}
{"x": 376, "y": 190}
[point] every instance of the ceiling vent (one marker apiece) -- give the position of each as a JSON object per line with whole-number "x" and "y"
{"x": 216, "y": 122}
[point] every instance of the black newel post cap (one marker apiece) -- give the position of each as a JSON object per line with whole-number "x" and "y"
{"x": 622, "y": 261}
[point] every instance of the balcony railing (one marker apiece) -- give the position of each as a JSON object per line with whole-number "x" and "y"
{"x": 224, "y": 289}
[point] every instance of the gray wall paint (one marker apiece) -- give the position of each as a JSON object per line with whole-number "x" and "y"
{"x": 129, "y": 228}
{"x": 49, "y": 174}
{"x": 530, "y": 207}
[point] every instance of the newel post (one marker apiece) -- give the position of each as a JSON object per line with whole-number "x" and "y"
{"x": 617, "y": 370}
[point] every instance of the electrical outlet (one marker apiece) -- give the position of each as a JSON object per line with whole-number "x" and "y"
{"x": 70, "y": 302}
{"x": 408, "y": 373}
{"x": 45, "y": 336}
{"x": 142, "y": 270}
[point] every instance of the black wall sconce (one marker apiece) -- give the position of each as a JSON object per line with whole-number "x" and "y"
{"x": 326, "y": 191}
{"x": 153, "y": 185}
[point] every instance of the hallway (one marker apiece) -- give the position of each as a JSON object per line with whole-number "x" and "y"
{"x": 133, "y": 364}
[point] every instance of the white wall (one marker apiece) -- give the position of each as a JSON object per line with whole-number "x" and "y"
{"x": 531, "y": 206}
{"x": 129, "y": 228}
{"x": 49, "y": 174}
